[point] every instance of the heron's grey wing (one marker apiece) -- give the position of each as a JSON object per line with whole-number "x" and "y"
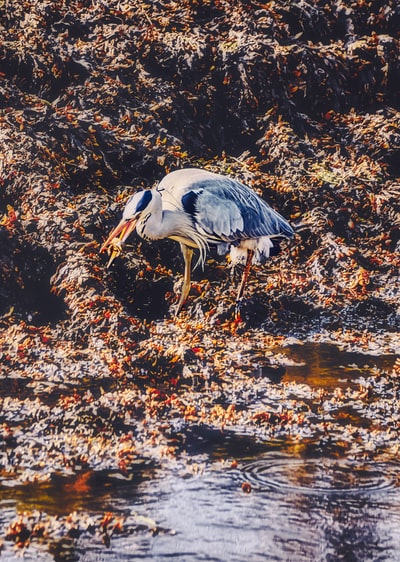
{"x": 214, "y": 214}
{"x": 221, "y": 207}
{"x": 228, "y": 210}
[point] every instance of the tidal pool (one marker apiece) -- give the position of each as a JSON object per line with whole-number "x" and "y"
{"x": 294, "y": 509}
{"x": 325, "y": 366}
{"x": 241, "y": 499}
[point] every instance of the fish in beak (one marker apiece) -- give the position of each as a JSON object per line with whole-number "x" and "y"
{"x": 117, "y": 237}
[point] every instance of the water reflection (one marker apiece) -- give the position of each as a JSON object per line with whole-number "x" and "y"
{"x": 330, "y": 509}
{"x": 298, "y": 510}
{"x": 215, "y": 520}
{"x": 326, "y": 366}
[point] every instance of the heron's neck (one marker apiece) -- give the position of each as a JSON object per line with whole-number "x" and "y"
{"x": 156, "y": 223}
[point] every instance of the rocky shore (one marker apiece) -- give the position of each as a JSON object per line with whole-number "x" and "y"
{"x": 100, "y": 98}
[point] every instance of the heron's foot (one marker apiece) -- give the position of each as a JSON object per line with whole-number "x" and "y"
{"x": 238, "y": 304}
{"x": 181, "y": 302}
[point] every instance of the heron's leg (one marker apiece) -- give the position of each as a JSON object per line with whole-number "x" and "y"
{"x": 246, "y": 271}
{"x": 187, "y": 256}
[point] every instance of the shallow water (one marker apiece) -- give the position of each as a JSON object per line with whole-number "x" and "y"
{"x": 326, "y": 366}
{"x": 298, "y": 509}
{"x": 276, "y": 502}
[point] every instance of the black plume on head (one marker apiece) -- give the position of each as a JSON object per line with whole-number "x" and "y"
{"x": 144, "y": 201}
{"x": 136, "y": 204}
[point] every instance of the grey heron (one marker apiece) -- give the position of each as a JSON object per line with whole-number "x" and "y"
{"x": 200, "y": 209}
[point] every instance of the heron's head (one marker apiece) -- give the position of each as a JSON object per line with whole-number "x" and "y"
{"x": 134, "y": 209}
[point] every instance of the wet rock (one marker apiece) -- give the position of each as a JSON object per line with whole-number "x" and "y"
{"x": 373, "y": 313}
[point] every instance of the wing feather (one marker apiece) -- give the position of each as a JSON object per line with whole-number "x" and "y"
{"x": 222, "y": 208}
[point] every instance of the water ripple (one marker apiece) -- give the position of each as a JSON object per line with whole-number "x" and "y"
{"x": 320, "y": 475}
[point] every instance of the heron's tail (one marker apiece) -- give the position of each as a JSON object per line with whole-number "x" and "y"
{"x": 284, "y": 228}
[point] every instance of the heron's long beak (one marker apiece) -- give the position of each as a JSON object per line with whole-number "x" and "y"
{"x": 117, "y": 237}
